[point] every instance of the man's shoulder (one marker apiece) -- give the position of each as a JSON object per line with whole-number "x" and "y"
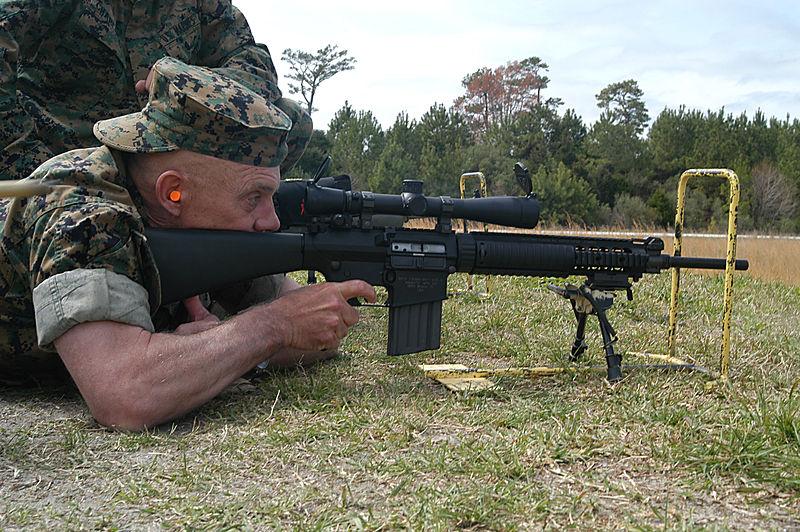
{"x": 83, "y": 163}
{"x": 84, "y": 175}
{"x": 87, "y": 190}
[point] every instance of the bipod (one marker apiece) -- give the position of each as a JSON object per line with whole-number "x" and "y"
{"x": 586, "y": 302}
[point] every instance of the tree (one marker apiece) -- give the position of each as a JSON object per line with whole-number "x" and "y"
{"x": 541, "y": 135}
{"x": 530, "y": 136}
{"x": 632, "y": 211}
{"x": 497, "y": 166}
{"x": 308, "y": 70}
{"x": 618, "y": 159}
{"x": 357, "y": 141}
{"x": 443, "y": 136}
{"x": 565, "y": 197}
{"x": 773, "y": 200}
{"x": 663, "y": 205}
{"x": 622, "y": 104}
{"x": 399, "y": 159}
{"x": 319, "y": 145}
{"x": 495, "y": 97}
{"x": 671, "y": 142}
{"x": 788, "y": 150}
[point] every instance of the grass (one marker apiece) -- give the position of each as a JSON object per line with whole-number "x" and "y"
{"x": 366, "y": 442}
{"x": 772, "y": 257}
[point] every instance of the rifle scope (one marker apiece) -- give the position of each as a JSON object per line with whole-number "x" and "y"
{"x": 307, "y": 199}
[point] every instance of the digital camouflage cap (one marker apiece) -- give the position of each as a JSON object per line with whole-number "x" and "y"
{"x": 193, "y": 108}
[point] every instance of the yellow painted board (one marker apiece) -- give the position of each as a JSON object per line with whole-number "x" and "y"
{"x": 457, "y": 384}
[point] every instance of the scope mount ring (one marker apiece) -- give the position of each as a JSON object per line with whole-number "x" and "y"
{"x": 444, "y": 223}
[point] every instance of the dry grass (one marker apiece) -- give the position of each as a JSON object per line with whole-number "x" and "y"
{"x": 772, "y": 258}
{"x": 367, "y": 442}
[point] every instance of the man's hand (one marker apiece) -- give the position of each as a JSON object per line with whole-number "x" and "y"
{"x": 317, "y": 317}
{"x": 200, "y": 319}
{"x": 143, "y": 85}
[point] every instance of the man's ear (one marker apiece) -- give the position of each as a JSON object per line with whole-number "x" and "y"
{"x": 172, "y": 192}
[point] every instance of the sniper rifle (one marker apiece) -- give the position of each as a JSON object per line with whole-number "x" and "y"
{"x": 348, "y": 234}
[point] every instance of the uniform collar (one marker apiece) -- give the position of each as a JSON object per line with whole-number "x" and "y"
{"x": 126, "y": 181}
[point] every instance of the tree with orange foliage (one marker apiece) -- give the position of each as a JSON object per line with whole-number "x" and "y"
{"x": 496, "y": 97}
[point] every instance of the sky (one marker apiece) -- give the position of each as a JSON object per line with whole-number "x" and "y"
{"x": 743, "y": 55}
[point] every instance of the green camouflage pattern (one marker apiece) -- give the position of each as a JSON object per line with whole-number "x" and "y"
{"x": 193, "y": 108}
{"x": 67, "y": 64}
{"x": 88, "y": 220}
{"x": 300, "y": 134}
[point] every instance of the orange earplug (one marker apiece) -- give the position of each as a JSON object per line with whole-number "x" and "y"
{"x": 175, "y": 196}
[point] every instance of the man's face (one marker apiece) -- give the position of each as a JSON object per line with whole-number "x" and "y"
{"x": 226, "y": 195}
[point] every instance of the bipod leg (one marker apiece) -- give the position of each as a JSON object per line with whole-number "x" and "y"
{"x": 613, "y": 360}
{"x": 586, "y": 301}
{"x": 579, "y": 346}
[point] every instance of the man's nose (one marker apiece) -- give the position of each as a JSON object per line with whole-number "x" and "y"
{"x": 268, "y": 222}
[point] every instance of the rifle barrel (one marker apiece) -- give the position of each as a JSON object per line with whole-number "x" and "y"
{"x": 705, "y": 263}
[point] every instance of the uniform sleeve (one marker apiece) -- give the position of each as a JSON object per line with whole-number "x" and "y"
{"x": 229, "y": 48}
{"x": 85, "y": 265}
{"x": 21, "y": 26}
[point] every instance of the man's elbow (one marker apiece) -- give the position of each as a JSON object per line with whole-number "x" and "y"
{"x": 128, "y": 411}
{"x": 121, "y": 391}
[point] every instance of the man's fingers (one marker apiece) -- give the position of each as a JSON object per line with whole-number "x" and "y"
{"x": 196, "y": 310}
{"x": 143, "y": 85}
{"x": 318, "y": 316}
{"x": 357, "y": 288}
{"x": 350, "y": 316}
{"x": 341, "y": 331}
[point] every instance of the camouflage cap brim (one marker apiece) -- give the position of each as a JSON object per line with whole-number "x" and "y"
{"x": 132, "y": 133}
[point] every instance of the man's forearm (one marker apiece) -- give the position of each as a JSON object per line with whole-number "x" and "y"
{"x": 158, "y": 377}
{"x": 131, "y": 378}
{"x": 21, "y": 28}
{"x": 229, "y": 48}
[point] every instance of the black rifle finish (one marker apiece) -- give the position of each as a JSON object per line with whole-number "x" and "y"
{"x": 359, "y": 235}
{"x": 413, "y": 265}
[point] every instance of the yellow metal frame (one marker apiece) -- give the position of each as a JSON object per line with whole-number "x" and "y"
{"x": 730, "y": 260}
{"x": 461, "y": 378}
{"x": 484, "y": 194}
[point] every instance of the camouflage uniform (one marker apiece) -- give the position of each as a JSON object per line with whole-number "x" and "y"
{"x": 78, "y": 254}
{"x": 65, "y": 64}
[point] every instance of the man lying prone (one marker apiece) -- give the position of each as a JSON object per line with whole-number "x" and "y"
{"x": 77, "y": 277}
